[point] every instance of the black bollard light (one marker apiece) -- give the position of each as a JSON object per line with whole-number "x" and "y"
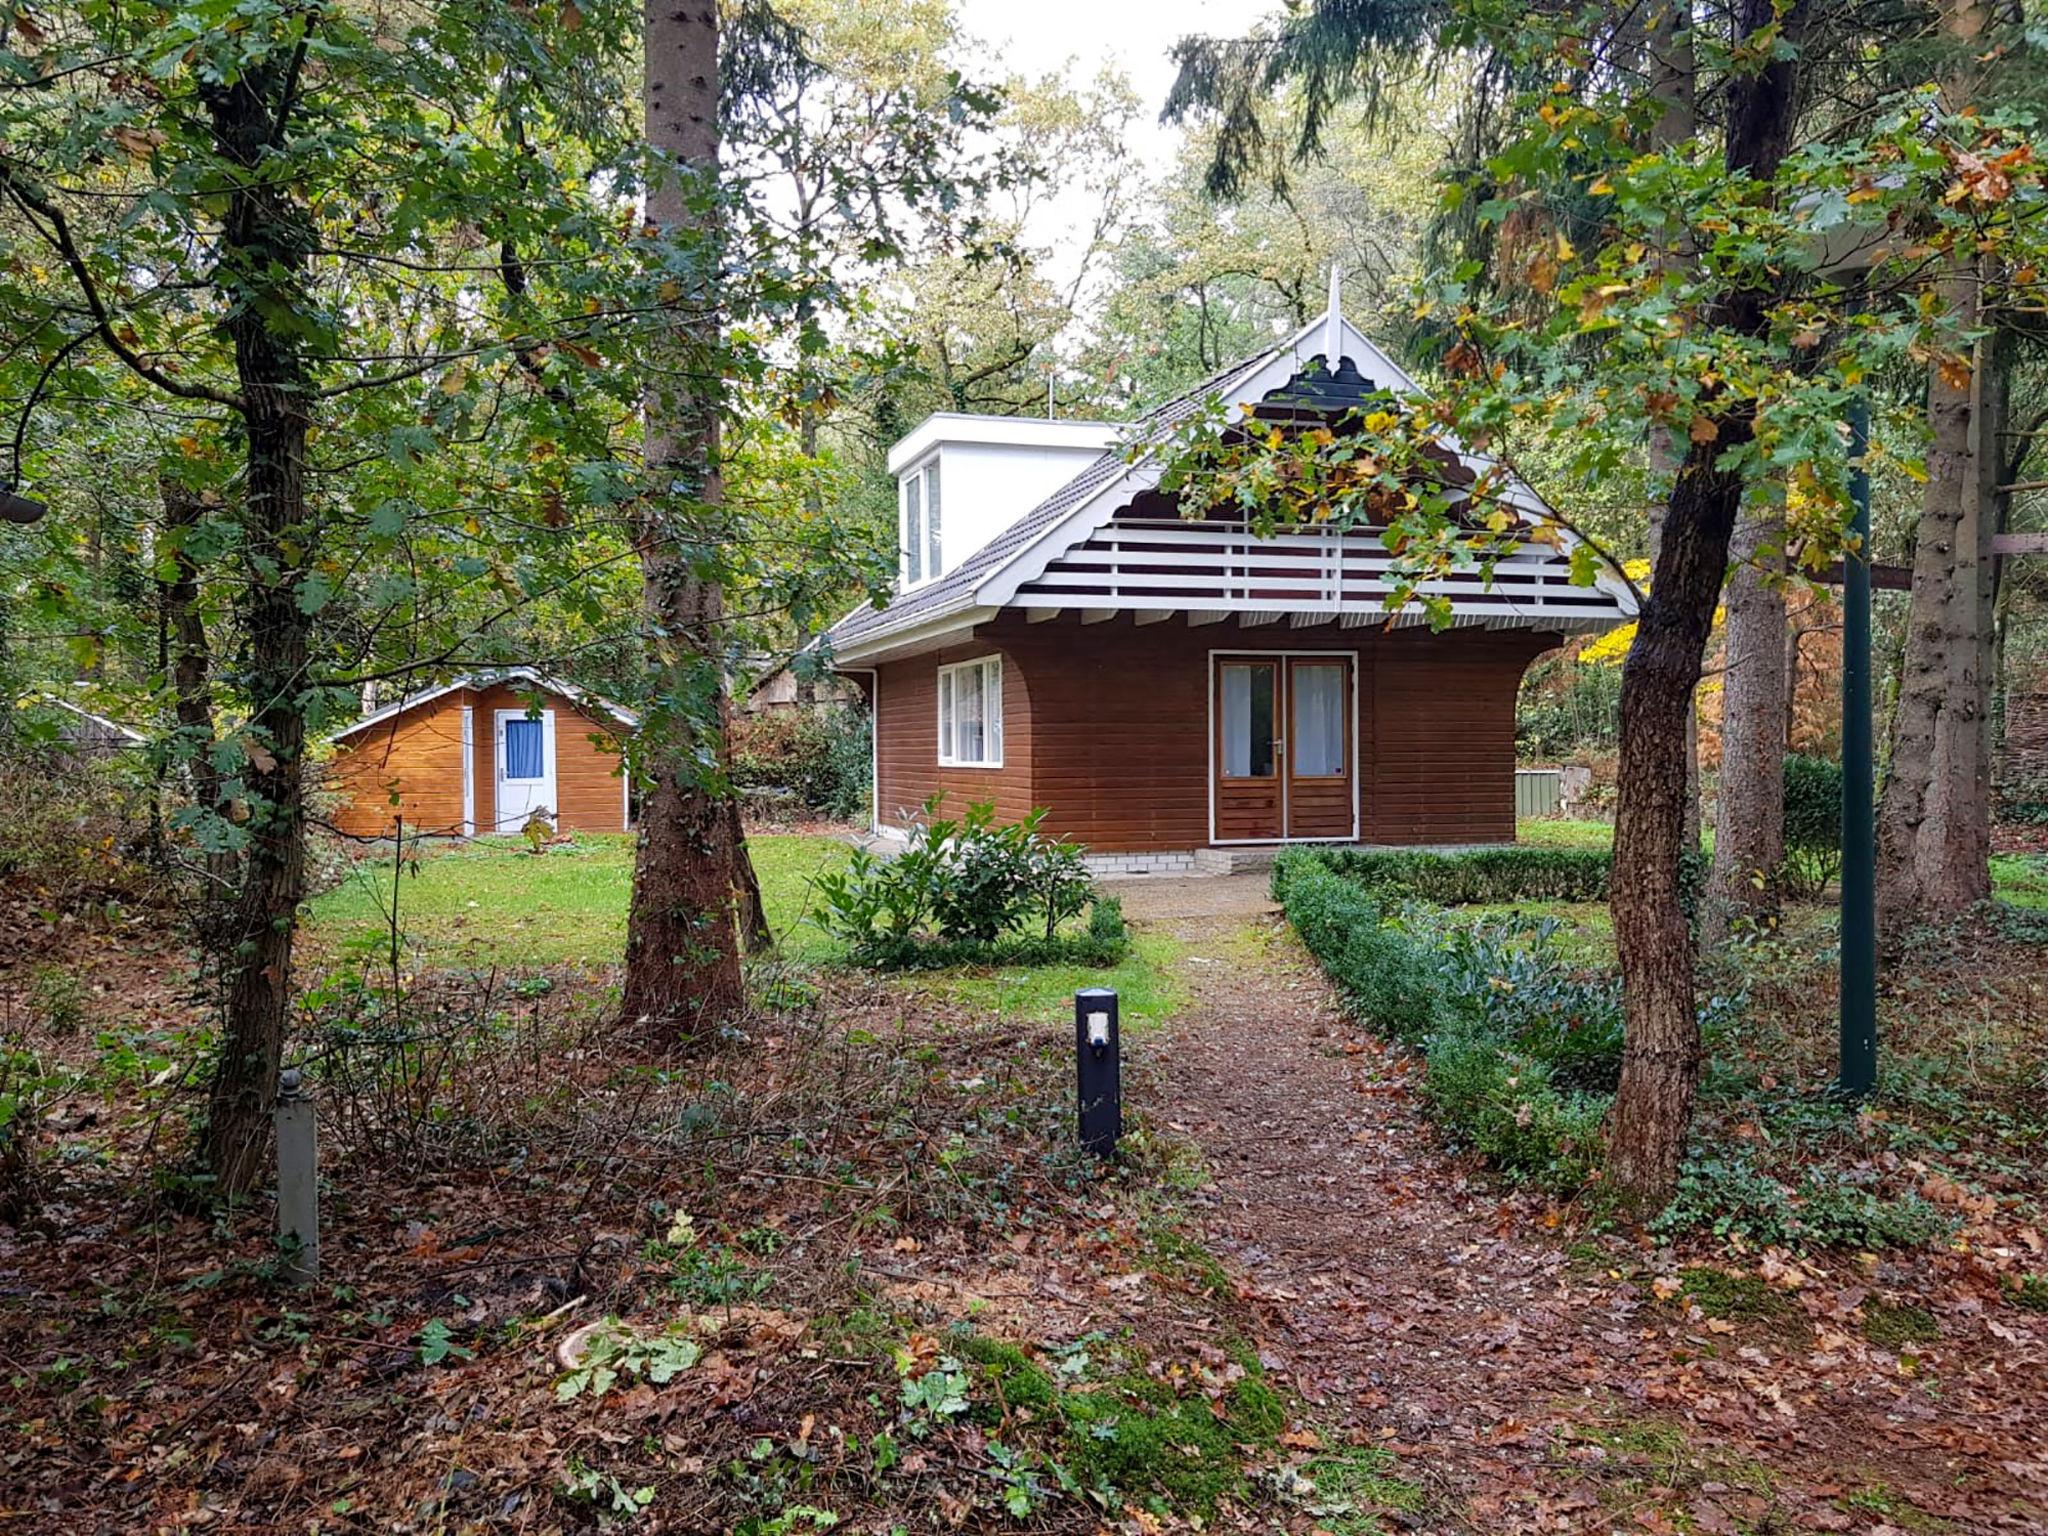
{"x": 1098, "y": 1070}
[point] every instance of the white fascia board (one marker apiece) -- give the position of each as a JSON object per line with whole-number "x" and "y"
{"x": 533, "y": 675}
{"x": 999, "y": 431}
{"x": 1029, "y": 563}
{"x": 909, "y": 642}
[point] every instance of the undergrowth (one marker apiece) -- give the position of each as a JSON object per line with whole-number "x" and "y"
{"x": 1522, "y": 1050}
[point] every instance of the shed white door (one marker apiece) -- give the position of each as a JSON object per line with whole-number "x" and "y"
{"x": 524, "y": 751}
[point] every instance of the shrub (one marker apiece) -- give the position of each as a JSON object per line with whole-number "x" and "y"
{"x": 1505, "y": 1105}
{"x": 74, "y": 829}
{"x": 1813, "y": 823}
{"x": 965, "y": 887}
{"x": 1728, "y": 1194}
{"x": 1528, "y": 993}
{"x": 1106, "y": 923}
{"x": 819, "y": 757}
{"x": 57, "y": 997}
{"x": 25, "y": 1088}
{"x": 1403, "y": 977}
{"x": 1475, "y": 875}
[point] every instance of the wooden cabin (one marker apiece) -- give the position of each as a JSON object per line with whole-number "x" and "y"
{"x": 484, "y": 754}
{"x": 1174, "y": 691}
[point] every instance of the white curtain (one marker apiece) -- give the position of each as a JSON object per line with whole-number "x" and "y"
{"x": 992, "y": 710}
{"x": 1245, "y": 690}
{"x": 1318, "y": 721}
{"x": 969, "y": 693}
{"x": 913, "y": 530}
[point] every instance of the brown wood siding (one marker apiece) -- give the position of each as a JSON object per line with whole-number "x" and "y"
{"x": 907, "y": 752}
{"x": 1107, "y": 725}
{"x": 587, "y": 785}
{"x": 1442, "y": 764}
{"x": 421, "y": 750}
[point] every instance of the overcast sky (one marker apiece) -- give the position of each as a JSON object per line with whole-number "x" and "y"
{"x": 1036, "y": 37}
{"x": 1033, "y": 37}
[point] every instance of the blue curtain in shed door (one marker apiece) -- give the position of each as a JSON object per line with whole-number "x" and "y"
{"x": 523, "y": 743}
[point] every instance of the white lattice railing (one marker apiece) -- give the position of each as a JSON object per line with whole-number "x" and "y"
{"x": 1173, "y": 565}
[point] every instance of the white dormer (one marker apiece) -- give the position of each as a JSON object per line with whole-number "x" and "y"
{"x": 961, "y": 480}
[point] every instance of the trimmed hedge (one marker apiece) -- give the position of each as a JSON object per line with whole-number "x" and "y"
{"x": 1487, "y": 1076}
{"x": 1511, "y": 873}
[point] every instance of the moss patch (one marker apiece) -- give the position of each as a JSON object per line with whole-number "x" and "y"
{"x": 1351, "y": 1486}
{"x": 1014, "y": 1381}
{"x": 1183, "y": 1262}
{"x": 1890, "y": 1327}
{"x": 1738, "y": 1298}
{"x": 2031, "y": 1293}
{"x": 1138, "y": 1436}
{"x": 1880, "y": 1499}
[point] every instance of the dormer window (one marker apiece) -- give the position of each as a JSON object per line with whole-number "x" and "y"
{"x": 919, "y": 515}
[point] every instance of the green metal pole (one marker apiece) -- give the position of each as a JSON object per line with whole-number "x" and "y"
{"x": 1859, "y": 787}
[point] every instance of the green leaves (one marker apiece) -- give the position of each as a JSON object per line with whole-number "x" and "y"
{"x": 612, "y": 1350}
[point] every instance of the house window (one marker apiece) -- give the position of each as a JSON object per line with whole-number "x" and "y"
{"x": 524, "y": 758}
{"x": 919, "y": 513}
{"x": 971, "y": 714}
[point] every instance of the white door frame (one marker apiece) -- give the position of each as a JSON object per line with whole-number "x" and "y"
{"x": 1281, "y": 703}
{"x": 548, "y": 780}
{"x": 468, "y": 770}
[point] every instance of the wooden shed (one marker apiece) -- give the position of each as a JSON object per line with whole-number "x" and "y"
{"x": 1169, "y": 689}
{"x": 485, "y": 753}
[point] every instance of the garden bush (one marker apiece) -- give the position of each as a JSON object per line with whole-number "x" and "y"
{"x": 1491, "y": 1091}
{"x": 1476, "y": 875}
{"x": 971, "y": 890}
{"x": 822, "y": 758}
{"x": 75, "y": 829}
{"x": 1813, "y": 823}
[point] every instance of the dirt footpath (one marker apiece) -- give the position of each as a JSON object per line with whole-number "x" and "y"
{"x": 1528, "y": 1374}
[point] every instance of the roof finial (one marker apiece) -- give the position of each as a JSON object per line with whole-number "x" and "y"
{"x": 1332, "y": 336}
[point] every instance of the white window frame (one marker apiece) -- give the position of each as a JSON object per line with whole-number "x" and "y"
{"x": 947, "y": 687}
{"x": 925, "y": 475}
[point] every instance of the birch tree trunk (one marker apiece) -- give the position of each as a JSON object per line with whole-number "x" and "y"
{"x": 1660, "y": 1056}
{"x": 1749, "y": 825}
{"x": 682, "y": 953}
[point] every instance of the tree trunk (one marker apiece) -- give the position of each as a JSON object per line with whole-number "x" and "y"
{"x": 1674, "y": 83}
{"x": 751, "y": 914}
{"x": 263, "y": 254}
{"x": 1660, "y": 1056}
{"x": 1749, "y": 826}
{"x": 682, "y": 954}
{"x": 188, "y": 661}
{"x": 1934, "y": 816}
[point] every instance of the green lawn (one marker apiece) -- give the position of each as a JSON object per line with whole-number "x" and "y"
{"x": 1146, "y": 986}
{"x": 1548, "y": 833}
{"x": 2018, "y": 878}
{"x": 2021, "y": 878}
{"x": 496, "y": 903}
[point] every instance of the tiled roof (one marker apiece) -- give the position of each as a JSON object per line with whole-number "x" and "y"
{"x": 955, "y": 590}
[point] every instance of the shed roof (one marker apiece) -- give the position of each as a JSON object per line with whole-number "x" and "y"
{"x": 533, "y": 676}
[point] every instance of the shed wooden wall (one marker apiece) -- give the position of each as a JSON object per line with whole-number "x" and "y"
{"x": 1107, "y": 726}
{"x": 421, "y": 749}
